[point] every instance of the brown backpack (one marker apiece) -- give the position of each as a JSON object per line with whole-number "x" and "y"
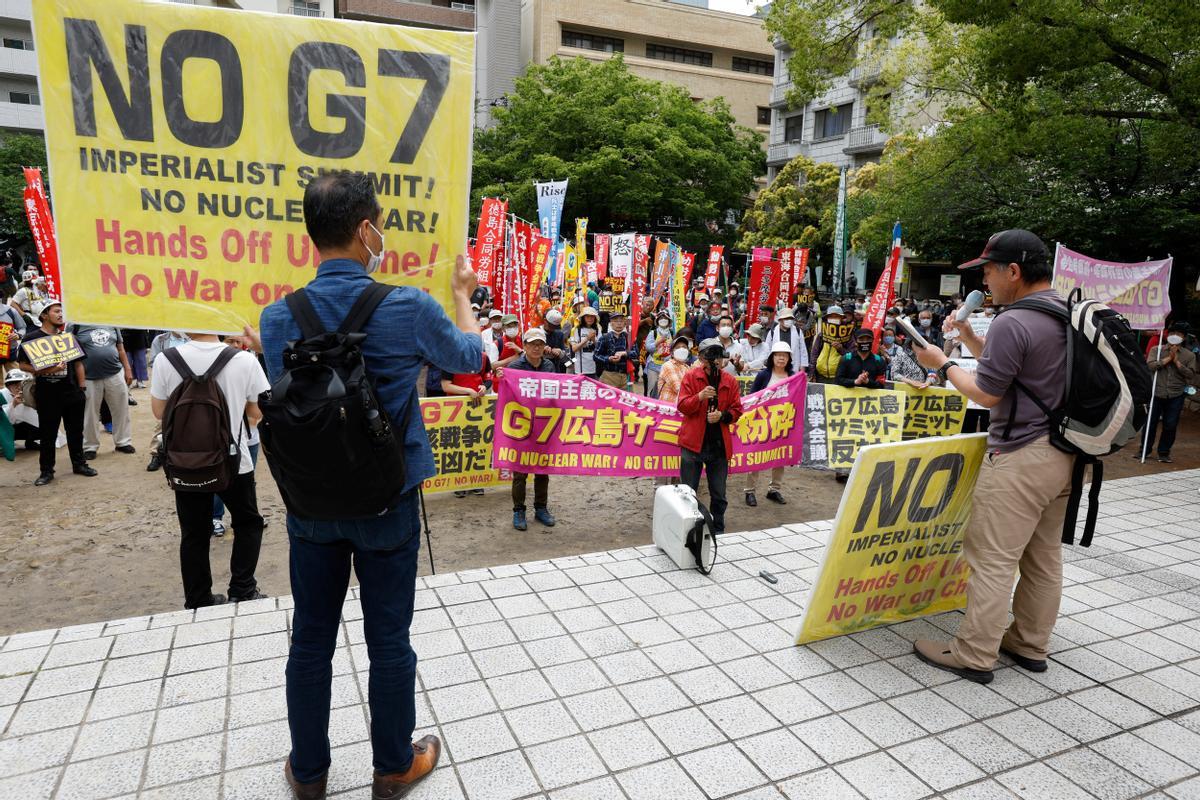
{"x": 200, "y": 453}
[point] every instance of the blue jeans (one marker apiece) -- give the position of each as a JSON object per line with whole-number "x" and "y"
{"x": 218, "y": 506}
{"x": 1166, "y": 411}
{"x": 320, "y": 564}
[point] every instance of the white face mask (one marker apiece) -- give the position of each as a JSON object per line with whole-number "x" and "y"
{"x": 497, "y": 327}
{"x": 376, "y": 258}
{"x": 726, "y": 331}
{"x": 664, "y": 324}
{"x": 680, "y": 353}
{"x": 1174, "y": 340}
{"x": 511, "y": 332}
{"x": 785, "y": 323}
{"x": 925, "y": 322}
{"x": 483, "y": 321}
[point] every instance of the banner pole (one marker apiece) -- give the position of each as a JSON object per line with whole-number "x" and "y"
{"x": 1153, "y": 387}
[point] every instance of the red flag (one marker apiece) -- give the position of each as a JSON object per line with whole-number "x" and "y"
{"x": 759, "y": 292}
{"x": 784, "y": 294}
{"x": 41, "y": 225}
{"x": 689, "y": 265}
{"x": 522, "y": 239}
{"x": 539, "y": 259}
{"x": 799, "y": 266}
{"x": 662, "y": 269}
{"x": 489, "y": 239}
{"x": 637, "y": 287}
{"x": 885, "y": 291}
{"x": 601, "y": 251}
{"x": 712, "y": 272}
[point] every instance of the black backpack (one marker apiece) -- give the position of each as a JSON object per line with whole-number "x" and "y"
{"x": 328, "y": 440}
{"x": 1107, "y": 396}
{"x": 200, "y": 453}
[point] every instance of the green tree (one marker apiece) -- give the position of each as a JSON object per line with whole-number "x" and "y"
{"x": 633, "y": 149}
{"x": 797, "y": 210}
{"x": 16, "y": 151}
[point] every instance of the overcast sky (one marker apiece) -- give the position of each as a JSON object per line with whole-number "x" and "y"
{"x": 736, "y": 6}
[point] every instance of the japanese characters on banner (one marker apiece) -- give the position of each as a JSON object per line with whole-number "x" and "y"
{"x": 799, "y": 266}
{"x": 679, "y": 295}
{"x": 600, "y": 248}
{"x": 489, "y": 240}
{"x": 591, "y": 273}
{"x": 785, "y": 277}
{"x": 41, "y": 227}
{"x": 758, "y": 292}
{"x": 712, "y": 272}
{"x": 460, "y": 433}
{"x": 662, "y": 269}
{"x": 550, "y": 199}
{"x": 581, "y": 245}
{"x": 933, "y": 411}
{"x": 574, "y": 425}
{"x": 621, "y": 255}
{"x": 6, "y": 331}
{"x": 856, "y": 418}
{"x": 522, "y": 239}
{"x": 1137, "y": 291}
{"x": 539, "y": 258}
{"x": 637, "y": 287}
{"x": 885, "y": 292}
{"x": 200, "y": 130}
{"x": 895, "y": 551}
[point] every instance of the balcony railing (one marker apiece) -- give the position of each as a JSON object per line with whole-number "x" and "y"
{"x": 865, "y": 139}
{"x": 779, "y": 93}
{"x": 866, "y": 73}
{"x": 783, "y": 152}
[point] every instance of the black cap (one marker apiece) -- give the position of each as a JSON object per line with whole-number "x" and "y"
{"x": 1014, "y": 246}
{"x": 1179, "y": 325}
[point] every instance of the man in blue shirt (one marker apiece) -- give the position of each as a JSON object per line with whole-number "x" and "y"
{"x": 343, "y": 219}
{"x": 613, "y": 352}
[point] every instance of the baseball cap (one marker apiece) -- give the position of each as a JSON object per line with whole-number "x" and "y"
{"x": 495, "y": 312}
{"x": 616, "y": 314}
{"x": 712, "y": 344}
{"x": 534, "y": 335}
{"x": 510, "y": 319}
{"x": 832, "y": 310}
{"x": 1014, "y": 246}
{"x": 554, "y": 316}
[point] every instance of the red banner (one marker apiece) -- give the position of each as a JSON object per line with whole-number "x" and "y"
{"x": 41, "y": 225}
{"x": 489, "y": 239}
{"x": 764, "y": 281}
{"x": 539, "y": 260}
{"x": 637, "y": 288}
{"x": 784, "y": 295}
{"x": 712, "y": 272}
{"x": 885, "y": 291}
{"x": 799, "y": 266}
{"x": 689, "y": 265}
{"x": 600, "y": 246}
{"x": 662, "y": 270}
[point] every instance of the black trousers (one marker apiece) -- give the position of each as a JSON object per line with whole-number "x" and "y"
{"x": 541, "y": 490}
{"x": 23, "y": 431}
{"x": 716, "y": 466}
{"x": 60, "y": 402}
{"x": 195, "y": 523}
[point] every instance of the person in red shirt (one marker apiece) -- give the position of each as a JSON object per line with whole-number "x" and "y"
{"x": 710, "y": 402}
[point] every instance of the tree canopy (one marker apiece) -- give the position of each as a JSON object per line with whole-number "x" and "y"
{"x": 17, "y": 151}
{"x": 795, "y": 210}
{"x": 634, "y": 150}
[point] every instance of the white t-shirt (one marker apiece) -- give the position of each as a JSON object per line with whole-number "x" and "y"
{"x": 242, "y": 381}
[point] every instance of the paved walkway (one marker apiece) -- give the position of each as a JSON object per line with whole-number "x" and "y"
{"x": 614, "y": 675}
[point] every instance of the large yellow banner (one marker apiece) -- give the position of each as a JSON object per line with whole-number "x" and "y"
{"x": 181, "y": 140}
{"x": 895, "y": 551}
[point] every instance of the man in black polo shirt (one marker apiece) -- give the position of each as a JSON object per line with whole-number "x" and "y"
{"x": 612, "y": 353}
{"x": 61, "y": 391}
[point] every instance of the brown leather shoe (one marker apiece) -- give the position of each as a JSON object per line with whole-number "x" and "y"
{"x": 304, "y": 791}
{"x": 425, "y": 757}
{"x": 938, "y": 654}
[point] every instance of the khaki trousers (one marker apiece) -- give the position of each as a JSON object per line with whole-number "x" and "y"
{"x": 114, "y": 390}
{"x": 776, "y": 479}
{"x": 618, "y": 380}
{"x": 1016, "y": 523}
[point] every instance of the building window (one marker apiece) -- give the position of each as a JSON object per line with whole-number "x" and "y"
{"x": 25, "y": 98}
{"x": 764, "y": 115}
{"x": 306, "y": 8}
{"x": 793, "y": 128}
{"x": 753, "y": 66}
{"x": 830, "y": 122}
{"x": 679, "y": 55}
{"x": 590, "y": 41}
{"x": 18, "y": 44}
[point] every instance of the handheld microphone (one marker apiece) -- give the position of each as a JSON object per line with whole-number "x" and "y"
{"x": 974, "y": 300}
{"x": 912, "y": 332}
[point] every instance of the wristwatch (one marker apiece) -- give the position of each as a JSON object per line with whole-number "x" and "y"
{"x": 945, "y": 368}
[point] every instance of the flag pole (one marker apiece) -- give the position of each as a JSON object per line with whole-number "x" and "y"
{"x": 1153, "y": 388}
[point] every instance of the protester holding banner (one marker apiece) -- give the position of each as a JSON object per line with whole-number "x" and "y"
{"x": 613, "y": 353}
{"x": 61, "y": 390}
{"x": 710, "y": 403}
{"x": 533, "y": 360}
{"x": 1021, "y": 497}
{"x": 779, "y": 370}
{"x": 1174, "y": 367}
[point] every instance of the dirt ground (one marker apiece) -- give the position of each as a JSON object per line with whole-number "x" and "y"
{"x": 88, "y": 549}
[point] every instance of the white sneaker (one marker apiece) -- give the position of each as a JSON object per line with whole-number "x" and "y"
{"x": 218, "y": 528}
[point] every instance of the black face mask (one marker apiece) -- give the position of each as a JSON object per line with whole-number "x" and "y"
{"x": 864, "y": 347}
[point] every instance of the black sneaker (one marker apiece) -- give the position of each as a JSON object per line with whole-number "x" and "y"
{"x": 213, "y": 600}
{"x": 44, "y": 478}
{"x": 751, "y": 500}
{"x": 777, "y": 496}
{"x": 90, "y": 455}
{"x": 155, "y": 461}
{"x": 84, "y": 470}
{"x": 32, "y": 444}
{"x": 246, "y": 598}
{"x": 132, "y": 402}
{"x": 1165, "y": 459}
{"x": 126, "y": 448}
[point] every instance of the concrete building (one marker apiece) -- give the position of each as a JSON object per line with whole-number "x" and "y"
{"x": 20, "y": 103}
{"x": 710, "y": 53}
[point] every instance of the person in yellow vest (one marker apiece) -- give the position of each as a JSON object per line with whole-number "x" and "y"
{"x": 831, "y": 343}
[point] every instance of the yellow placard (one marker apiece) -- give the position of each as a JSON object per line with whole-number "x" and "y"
{"x": 460, "y": 434}
{"x": 46, "y": 351}
{"x": 895, "y": 551}
{"x": 6, "y": 330}
{"x": 859, "y": 417}
{"x": 181, "y": 139}
{"x": 931, "y": 412}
